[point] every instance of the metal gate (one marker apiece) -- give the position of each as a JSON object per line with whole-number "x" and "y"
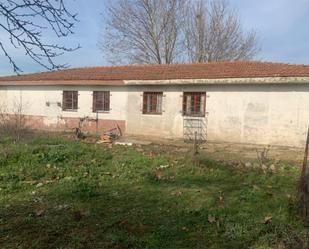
{"x": 195, "y": 127}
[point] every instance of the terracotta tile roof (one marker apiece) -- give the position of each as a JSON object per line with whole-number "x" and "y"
{"x": 117, "y": 74}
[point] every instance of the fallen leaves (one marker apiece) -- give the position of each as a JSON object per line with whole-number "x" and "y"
{"x": 211, "y": 219}
{"x": 267, "y": 219}
{"x": 185, "y": 229}
{"x": 177, "y": 193}
{"x": 39, "y": 212}
{"x": 221, "y": 200}
{"x": 159, "y": 176}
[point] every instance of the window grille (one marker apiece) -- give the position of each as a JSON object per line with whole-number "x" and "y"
{"x": 152, "y": 102}
{"x": 70, "y": 100}
{"x": 101, "y": 101}
{"x": 194, "y": 104}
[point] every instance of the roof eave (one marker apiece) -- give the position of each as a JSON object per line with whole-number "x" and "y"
{"x": 222, "y": 81}
{"x": 63, "y": 83}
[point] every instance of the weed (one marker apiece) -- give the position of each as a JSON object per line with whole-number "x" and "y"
{"x": 57, "y": 193}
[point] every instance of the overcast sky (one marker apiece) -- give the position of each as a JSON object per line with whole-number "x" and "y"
{"x": 282, "y": 25}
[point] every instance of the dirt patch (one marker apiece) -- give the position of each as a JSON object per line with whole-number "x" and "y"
{"x": 249, "y": 151}
{"x": 218, "y": 150}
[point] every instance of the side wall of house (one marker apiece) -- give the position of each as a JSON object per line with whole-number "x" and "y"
{"x": 263, "y": 114}
{"x": 42, "y": 107}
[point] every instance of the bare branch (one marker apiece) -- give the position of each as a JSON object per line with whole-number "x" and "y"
{"x": 143, "y": 31}
{"x": 214, "y": 33}
{"x": 25, "y": 20}
{"x": 169, "y": 31}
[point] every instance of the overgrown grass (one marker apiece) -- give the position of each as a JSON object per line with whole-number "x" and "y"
{"x": 65, "y": 194}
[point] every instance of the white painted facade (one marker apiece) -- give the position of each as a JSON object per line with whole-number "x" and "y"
{"x": 276, "y": 114}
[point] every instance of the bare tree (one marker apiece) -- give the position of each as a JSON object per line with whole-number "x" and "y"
{"x": 169, "y": 31}
{"x": 24, "y": 21}
{"x": 143, "y": 31}
{"x": 214, "y": 33}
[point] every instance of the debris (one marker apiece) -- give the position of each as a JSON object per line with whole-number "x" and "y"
{"x": 104, "y": 139}
{"x": 248, "y": 165}
{"x": 163, "y": 166}
{"x": 124, "y": 143}
{"x": 40, "y": 184}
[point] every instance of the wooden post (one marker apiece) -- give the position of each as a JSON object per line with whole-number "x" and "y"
{"x": 305, "y": 162}
{"x": 303, "y": 183}
{"x": 97, "y": 125}
{"x": 195, "y": 148}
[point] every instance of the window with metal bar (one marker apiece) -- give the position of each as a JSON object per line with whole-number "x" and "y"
{"x": 194, "y": 104}
{"x": 101, "y": 101}
{"x": 70, "y": 100}
{"x": 152, "y": 102}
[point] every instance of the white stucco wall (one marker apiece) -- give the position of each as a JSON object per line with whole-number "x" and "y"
{"x": 34, "y": 100}
{"x": 262, "y": 114}
{"x": 3, "y": 97}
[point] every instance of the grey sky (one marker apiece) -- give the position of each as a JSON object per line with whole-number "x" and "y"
{"x": 282, "y": 26}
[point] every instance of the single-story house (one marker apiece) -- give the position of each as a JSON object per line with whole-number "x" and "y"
{"x": 240, "y": 102}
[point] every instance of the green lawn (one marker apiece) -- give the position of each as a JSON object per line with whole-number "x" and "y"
{"x": 64, "y": 194}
